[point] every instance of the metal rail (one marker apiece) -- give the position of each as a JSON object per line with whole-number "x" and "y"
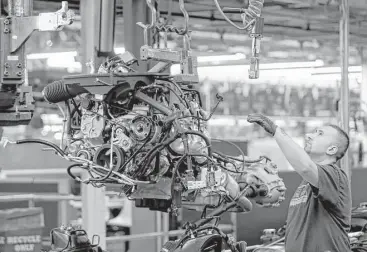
{"x": 32, "y": 198}
{"x": 120, "y": 239}
{"x": 38, "y": 172}
{"x": 225, "y": 228}
{"x": 37, "y": 197}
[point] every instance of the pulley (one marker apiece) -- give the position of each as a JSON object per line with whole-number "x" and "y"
{"x": 102, "y": 157}
{"x": 141, "y": 128}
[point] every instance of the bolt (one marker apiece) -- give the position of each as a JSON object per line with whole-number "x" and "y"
{"x": 19, "y": 65}
{"x": 6, "y": 30}
{"x": 6, "y": 73}
{"x": 125, "y": 143}
{"x": 7, "y": 65}
{"x": 140, "y": 128}
{"x": 19, "y": 73}
{"x": 6, "y": 22}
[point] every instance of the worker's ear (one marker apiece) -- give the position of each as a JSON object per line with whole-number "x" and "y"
{"x": 332, "y": 150}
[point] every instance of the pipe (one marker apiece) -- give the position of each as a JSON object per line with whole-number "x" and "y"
{"x": 107, "y": 26}
{"x": 145, "y": 98}
{"x": 20, "y": 8}
{"x": 37, "y": 197}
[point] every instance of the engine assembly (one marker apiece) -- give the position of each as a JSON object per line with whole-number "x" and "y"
{"x": 147, "y": 132}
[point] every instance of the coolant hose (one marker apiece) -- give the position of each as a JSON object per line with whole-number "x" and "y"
{"x": 47, "y": 143}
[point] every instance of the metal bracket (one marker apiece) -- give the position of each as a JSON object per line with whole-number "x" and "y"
{"x": 14, "y": 32}
{"x": 186, "y": 79}
{"x": 188, "y": 63}
{"x": 160, "y": 67}
{"x": 22, "y": 27}
{"x": 256, "y": 35}
{"x": 166, "y": 57}
{"x": 163, "y": 55}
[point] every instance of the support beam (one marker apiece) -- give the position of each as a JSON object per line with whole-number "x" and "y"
{"x": 158, "y": 228}
{"x": 20, "y": 8}
{"x": 93, "y": 199}
{"x": 135, "y": 11}
{"x": 363, "y": 91}
{"x": 63, "y": 188}
{"x": 344, "y": 87}
{"x": 90, "y": 33}
{"x": 165, "y": 222}
{"x": 363, "y": 100}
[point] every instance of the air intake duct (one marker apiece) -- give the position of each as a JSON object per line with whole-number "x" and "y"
{"x": 58, "y": 91}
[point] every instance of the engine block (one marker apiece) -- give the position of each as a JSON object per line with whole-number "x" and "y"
{"x": 153, "y": 130}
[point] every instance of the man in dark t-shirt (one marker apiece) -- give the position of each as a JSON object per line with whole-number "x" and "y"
{"x": 319, "y": 213}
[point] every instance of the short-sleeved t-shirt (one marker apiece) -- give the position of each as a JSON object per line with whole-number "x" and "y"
{"x": 319, "y": 216}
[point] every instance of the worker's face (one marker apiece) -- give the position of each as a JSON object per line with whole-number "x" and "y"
{"x": 322, "y": 141}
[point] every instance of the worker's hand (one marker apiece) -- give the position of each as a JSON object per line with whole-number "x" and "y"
{"x": 263, "y": 121}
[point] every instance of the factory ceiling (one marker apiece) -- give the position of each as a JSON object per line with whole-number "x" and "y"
{"x": 295, "y": 30}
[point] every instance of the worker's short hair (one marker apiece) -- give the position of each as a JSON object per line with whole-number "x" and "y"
{"x": 343, "y": 141}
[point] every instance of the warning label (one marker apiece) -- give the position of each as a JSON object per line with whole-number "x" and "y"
{"x": 24, "y": 240}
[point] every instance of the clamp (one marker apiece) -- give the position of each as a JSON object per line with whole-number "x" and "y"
{"x": 166, "y": 57}
{"x": 256, "y": 35}
{"x": 253, "y": 24}
{"x": 15, "y": 30}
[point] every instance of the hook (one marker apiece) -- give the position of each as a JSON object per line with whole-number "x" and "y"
{"x": 154, "y": 14}
{"x": 186, "y": 16}
{"x": 153, "y": 22}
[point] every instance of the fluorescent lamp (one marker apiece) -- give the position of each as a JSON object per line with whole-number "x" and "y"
{"x": 119, "y": 50}
{"x": 335, "y": 70}
{"x": 218, "y": 58}
{"x": 48, "y": 55}
{"x": 285, "y": 65}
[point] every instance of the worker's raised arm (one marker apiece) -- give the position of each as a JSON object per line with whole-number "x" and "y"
{"x": 296, "y": 156}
